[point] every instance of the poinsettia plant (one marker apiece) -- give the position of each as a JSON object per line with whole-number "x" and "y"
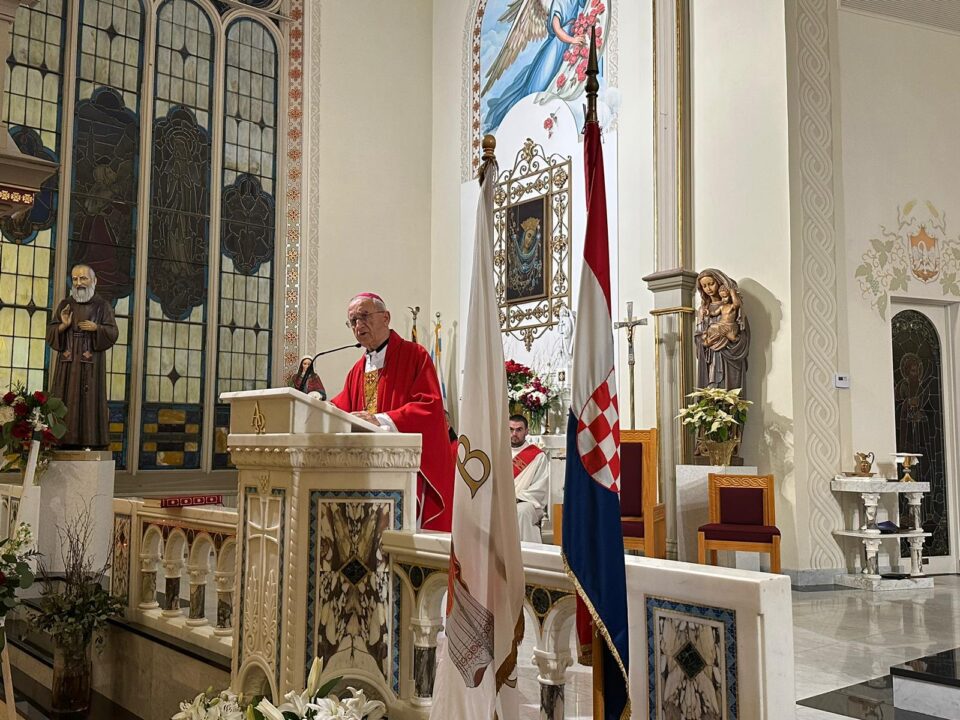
{"x": 715, "y": 413}
{"x": 25, "y": 417}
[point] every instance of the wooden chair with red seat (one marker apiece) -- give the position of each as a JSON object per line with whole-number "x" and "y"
{"x": 742, "y": 518}
{"x": 642, "y": 518}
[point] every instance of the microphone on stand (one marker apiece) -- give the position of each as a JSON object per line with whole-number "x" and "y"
{"x": 303, "y": 380}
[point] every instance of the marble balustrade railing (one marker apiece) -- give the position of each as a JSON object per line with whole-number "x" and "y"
{"x": 174, "y": 555}
{"x": 716, "y": 637}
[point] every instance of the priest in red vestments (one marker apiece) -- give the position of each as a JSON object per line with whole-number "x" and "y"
{"x": 394, "y": 385}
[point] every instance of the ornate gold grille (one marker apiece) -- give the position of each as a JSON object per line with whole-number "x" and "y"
{"x": 532, "y": 219}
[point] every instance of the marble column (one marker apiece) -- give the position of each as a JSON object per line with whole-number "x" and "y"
{"x": 198, "y": 596}
{"x": 224, "y": 582}
{"x": 870, "y": 502}
{"x": 148, "y": 582}
{"x": 674, "y": 279}
{"x": 913, "y": 502}
{"x": 872, "y": 569}
{"x": 916, "y": 556}
{"x": 171, "y": 589}
{"x": 424, "y": 659}
{"x": 552, "y": 668}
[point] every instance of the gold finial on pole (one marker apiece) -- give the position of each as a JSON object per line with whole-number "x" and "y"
{"x": 593, "y": 85}
{"x": 489, "y": 145}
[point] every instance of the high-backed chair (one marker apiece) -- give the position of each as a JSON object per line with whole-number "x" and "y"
{"x": 742, "y": 518}
{"x": 642, "y": 518}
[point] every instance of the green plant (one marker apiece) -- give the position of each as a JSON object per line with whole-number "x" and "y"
{"x": 74, "y": 608}
{"x": 715, "y": 414}
{"x": 15, "y": 572}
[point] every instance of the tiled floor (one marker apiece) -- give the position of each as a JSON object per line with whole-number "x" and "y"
{"x": 841, "y": 637}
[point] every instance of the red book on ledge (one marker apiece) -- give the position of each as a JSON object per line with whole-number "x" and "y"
{"x": 183, "y": 501}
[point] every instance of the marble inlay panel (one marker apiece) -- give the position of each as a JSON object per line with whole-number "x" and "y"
{"x": 692, "y": 651}
{"x": 120, "y": 567}
{"x": 353, "y": 589}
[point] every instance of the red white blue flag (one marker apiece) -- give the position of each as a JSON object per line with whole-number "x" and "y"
{"x": 592, "y": 537}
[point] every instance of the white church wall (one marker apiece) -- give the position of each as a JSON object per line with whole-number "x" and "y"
{"x": 741, "y": 220}
{"x": 370, "y": 135}
{"x": 901, "y": 168}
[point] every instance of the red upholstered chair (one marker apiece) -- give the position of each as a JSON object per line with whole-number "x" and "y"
{"x": 742, "y": 517}
{"x": 643, "y": 519}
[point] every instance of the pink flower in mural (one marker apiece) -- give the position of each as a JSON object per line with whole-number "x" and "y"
{"x": 561, "y": 81}
{"x": 549, "y": 124}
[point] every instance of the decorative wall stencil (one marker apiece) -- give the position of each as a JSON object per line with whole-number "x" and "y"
{"x": 352, "y": 601}
{"x": 120, "y": 565}
{"x": 917, "y": 248}
{"x": 692, "y": 653}
{"x": 293, "y": 184}
{"x": 532, "y": 222}
{"x": 918, "y": 405}
{"x": 817, "y": 277}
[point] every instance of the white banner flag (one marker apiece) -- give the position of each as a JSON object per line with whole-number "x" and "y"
{"x": 485, "y": 608}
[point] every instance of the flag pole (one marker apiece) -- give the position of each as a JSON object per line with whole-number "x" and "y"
{"x": 592, "y": 88}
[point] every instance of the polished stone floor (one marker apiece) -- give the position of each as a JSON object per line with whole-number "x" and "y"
{"x": 844, "y": 637}
{"x": 841, "y": 637}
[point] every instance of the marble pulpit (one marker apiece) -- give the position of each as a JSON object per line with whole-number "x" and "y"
{"x": 317, "y": 488}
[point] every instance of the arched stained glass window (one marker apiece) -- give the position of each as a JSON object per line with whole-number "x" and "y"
{"x": 179, "y": 242}
{"x": 918, "y": 406}
{"x": 248, "y": 216}
{"x": 106, "y": 163}
{"x": 31, "y": 108}
{"x": 144, "y": 221}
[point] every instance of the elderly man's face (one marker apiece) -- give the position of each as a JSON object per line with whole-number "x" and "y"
{"x": 80, "y": 277}
{"x": 371, "y": 326}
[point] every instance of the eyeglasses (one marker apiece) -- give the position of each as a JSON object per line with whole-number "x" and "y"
{"x": 362, "y": 318}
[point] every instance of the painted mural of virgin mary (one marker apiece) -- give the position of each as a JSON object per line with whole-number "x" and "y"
{"x": 543, "y": 52}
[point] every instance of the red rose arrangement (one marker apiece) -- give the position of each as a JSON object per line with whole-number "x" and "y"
{"x": 529, "y": 394}
{"x": 25, "y": 417}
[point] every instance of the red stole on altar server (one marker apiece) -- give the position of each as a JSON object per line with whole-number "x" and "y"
{"x": 524, "y": 458}
{"x": 409, "y": 393}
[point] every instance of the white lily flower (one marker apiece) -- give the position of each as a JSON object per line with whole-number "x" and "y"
{"x": 313, "y": 679}
{"x": 269, "y": 710}
{"x": 359, "y": 708}
{"x": 192, "y": 710}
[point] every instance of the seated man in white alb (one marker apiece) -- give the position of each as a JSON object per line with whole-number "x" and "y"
{"x": 530, "y": 480}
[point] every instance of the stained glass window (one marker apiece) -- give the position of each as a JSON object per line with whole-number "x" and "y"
{"x": 918, "y": 404}
{"x": 31, "y": 108}
{"x": 178, "y": 246}
{"x": 248, "y": 210}
{"x": 188, "y": 279}
{"x": 106, "y": 162}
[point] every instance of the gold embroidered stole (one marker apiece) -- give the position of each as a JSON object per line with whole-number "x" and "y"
{"x": 371, "y": 380}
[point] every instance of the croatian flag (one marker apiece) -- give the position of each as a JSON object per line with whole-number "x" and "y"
{"x": 592, "y": 538}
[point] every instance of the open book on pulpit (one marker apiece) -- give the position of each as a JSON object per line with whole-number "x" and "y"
{"x": 287, "y": 410}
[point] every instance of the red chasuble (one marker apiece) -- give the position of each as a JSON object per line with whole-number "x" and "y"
{"x": 409, "y": 392}
{"x": 524, "y": 458}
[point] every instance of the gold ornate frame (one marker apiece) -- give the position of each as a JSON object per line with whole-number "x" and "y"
{"x": 535, "y": 176}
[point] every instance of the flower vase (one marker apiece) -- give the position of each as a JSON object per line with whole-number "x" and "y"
{"x": 535, "y": 423}
{"x": 72, "y": 671}
{"x": 719, "y": 452}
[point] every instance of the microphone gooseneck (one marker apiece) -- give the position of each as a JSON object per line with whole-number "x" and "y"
{"x": 303, "y": 380}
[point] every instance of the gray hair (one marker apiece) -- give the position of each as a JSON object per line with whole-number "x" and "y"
{"x": 93, "y": 275}
{"x": 377, "y": 302}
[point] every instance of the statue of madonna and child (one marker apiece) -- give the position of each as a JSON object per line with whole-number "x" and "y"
{"x": 722, "y": 333}
{"x": 722, "y": 338}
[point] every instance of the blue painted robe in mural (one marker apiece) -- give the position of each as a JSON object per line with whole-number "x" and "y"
{"x": 542, "y": 69}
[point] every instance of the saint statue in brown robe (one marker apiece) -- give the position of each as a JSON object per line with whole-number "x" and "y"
{"x": 82, "y": 329}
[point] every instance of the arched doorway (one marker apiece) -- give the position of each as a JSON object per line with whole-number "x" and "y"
{"x": 921, "y": 383}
